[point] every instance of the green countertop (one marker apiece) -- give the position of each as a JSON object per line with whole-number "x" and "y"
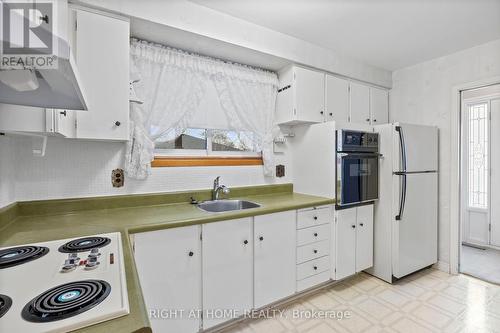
{"x": 127, "y": 220}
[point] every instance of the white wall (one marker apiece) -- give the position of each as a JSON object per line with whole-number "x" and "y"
{"x": 7, "y": 167}
{"x": 422, "y": 94}
{"x": 74, "y": 168}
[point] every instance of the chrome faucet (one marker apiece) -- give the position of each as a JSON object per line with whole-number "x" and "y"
{"x": 217, "y": 188}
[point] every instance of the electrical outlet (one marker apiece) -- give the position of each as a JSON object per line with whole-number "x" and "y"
{"x": 117, "y": 178}
{"x": 280, "y": 170}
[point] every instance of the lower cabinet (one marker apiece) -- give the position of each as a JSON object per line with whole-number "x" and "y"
{"x": 169, "y": 267}
{"x": 274, "y": 257}
{"x": 227, "y": 269}
{"x": 354, "y": 240}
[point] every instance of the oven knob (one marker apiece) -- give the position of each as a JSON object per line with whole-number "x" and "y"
{"x": 69, "y": 265}
{"x": 92, "y": 263}
{"x": 94, "y": 252}
{"x": 73, "y": 256}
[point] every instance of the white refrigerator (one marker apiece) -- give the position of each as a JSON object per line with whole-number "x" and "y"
{"x": 406, "y": 214}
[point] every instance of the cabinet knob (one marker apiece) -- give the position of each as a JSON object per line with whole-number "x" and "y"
{"x": 245, "y": 242}
{"x": 361, "y": 224}
{"x": 315, "y": 268}
{"x": 191, "y": 253}
{"x": 315, "y": 234}
{"x": 367, "y": 119}
{"x": 321, "y": 112}
{"x": 315, "y": 251}
{"x": 315, "y": 217}
{"x": 261, "y": 238}
{"x": 353, "y": 226}
{"x": 64, "y": 113}
{"x": 374, "y": 120}
{"x": 117, "y": 123}
{"x": 331, "y": 114}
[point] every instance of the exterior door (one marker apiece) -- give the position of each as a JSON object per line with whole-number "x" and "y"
{"x": 414, "y": 238}
{"x": 227, "y": 268}
{"x": 495, "y": 172}
{"x": 169, "y": 268}
{"x": 274, "y": 257}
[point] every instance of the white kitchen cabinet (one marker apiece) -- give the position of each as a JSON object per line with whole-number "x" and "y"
{"x": 274, "y": 257}
{"x": 227, "y": 268}
{"x": 354, "y": 240}
{"x": 37, "y": 121}
{"x": 345, "y": 243}
{"x": 379, "y": 106}
{"x": 359, "y": 96}
{"x": 364, "y": 238}
{"x": 169, "y": 266}
{"x": 336, "y": 99}
{"x": 301, "y": 96}
{"x": 102, "y": 56}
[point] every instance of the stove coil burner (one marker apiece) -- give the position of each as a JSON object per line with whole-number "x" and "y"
{"x": 66, "y": 300}
{"x": 84, "y": 244}
{"x": 5, "y": 303}
{"x": 19, "y": 255}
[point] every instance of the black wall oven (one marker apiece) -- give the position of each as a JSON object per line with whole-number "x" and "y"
{"x": 357, "y": 167}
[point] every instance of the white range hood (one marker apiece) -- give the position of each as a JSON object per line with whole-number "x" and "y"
{"x": 59, "y": 87}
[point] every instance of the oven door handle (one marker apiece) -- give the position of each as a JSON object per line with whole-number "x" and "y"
{"x": 360, "y": 155}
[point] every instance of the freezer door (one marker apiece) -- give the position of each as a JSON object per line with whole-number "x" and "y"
{"x": 415, "y": 147}
{"x": 414, "y": 237}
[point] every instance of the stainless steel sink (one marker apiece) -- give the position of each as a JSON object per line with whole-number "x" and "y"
{"x": 217, "y": 206}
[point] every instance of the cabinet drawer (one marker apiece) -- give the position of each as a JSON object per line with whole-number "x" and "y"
{"x": 312, "y": 251}
{"x": 312, "y": 281}
{"x": 313, "y": 234}
{"x": 313, "y": 267}
{"x": 313, "y": 217}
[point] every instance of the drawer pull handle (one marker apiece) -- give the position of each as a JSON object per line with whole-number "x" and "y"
{"x": 315, "y": 217}
{"x": 315, "y": 234}
{"x": 315, "y": 251}
{"x": 315, "y": 268}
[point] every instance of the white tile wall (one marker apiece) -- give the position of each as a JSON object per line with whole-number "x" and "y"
{"x": 7, "y": 184}
{"x": 422, "y": 94}
{"x": 74, "y": 168}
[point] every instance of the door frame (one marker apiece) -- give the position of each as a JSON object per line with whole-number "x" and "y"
{"x": 455, "y": 167}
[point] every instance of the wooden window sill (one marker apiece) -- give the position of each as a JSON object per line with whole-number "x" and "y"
{"x": 186, "y": 161}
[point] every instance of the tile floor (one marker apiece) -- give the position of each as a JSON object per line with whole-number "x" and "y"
{"x": 484, "y": 264}
{"x": 428, "y": 301}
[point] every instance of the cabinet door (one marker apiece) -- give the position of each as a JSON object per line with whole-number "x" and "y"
{"x": 360, "y": 103}
{"x": 61, "y": 122}
{"x": 274, "y": 257}
{"x": 169, "y": 266}
{"x": 102, "y": 57}
{"x": 309, "y": 95}
{"x": 345, "y": 261}
{"x": 336, "y": 99}
{"x": 227, "y": 268}
{"x": 379, "y": 106}
{"x": 364, "y": 238}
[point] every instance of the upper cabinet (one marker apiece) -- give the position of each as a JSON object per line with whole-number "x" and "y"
{"x": 101, "y": 45}
{"x": 336, "y": 99}
{"x": 301, "y": 96}
{"x": 308, "y": 96}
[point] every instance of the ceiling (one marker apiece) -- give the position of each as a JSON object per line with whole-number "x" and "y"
{"x": 389, "y": 34}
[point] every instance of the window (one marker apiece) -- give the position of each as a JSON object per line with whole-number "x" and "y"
{"x": 206, "y": 147}
{"x": 478, "y": 155}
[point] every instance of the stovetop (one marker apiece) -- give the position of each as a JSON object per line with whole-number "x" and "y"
{"x": 62, "y": 285}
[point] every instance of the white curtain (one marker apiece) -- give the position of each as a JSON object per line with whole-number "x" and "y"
{"x": 173, "y": 83}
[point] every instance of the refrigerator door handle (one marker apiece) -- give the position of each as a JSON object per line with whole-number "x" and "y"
{"x": 402, "y": 147}
{"x": 402, "y": 198}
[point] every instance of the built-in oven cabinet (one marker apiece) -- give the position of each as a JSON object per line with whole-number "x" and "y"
{"x": 353, "y": 241}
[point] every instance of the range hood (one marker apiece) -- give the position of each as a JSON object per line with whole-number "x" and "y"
{"x": 57, "y": 87}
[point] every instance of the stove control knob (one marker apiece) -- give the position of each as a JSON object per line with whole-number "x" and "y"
{"x": 94, "y": 252}
{"x": 69, "y": 265}
{"x": 92, "y": 263}
{"x": 73, "y": 256}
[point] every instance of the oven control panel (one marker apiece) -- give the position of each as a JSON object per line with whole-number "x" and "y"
{"x": 357, "y": 141}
